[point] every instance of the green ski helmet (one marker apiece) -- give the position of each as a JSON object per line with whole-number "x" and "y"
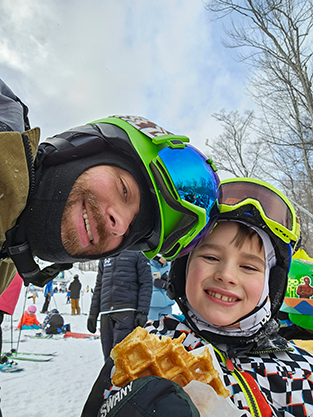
{"x": 183, "y": 183}
{"x": 178, "y": 186}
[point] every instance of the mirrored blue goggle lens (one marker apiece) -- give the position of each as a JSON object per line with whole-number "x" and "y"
{"x": 193, "y": 177}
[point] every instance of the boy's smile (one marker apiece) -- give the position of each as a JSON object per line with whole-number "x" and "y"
{"x": 225, "y": 281}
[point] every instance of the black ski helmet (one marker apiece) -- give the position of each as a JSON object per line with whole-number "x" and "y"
{"x": 168, "y": 219}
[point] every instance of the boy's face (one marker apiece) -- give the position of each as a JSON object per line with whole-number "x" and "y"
{"x": 225, "y": 282}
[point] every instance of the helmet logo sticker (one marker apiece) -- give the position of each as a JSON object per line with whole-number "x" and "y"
{"x": 144, "y": 125}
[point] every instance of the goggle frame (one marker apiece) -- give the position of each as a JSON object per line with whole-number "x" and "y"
{"x": 285, "y": 234}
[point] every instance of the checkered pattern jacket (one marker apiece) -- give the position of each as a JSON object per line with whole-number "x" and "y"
{"x": 282, "y": 382}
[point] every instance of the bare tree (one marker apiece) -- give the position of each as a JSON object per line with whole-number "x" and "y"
{"x": 88, "y": 266}
{"x": 235, "y": 150}
{"x": 274, "y": 38}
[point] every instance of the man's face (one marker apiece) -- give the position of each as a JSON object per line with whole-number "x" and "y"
{"x": 225, "y": 282}
{"x": 307, "y": 280}
{"x": 102, "y": 204}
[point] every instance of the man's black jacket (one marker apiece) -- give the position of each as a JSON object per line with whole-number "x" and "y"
{"x": 122, "y": 282}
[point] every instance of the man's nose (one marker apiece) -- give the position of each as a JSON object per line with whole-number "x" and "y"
{"x": 118, "y": 222}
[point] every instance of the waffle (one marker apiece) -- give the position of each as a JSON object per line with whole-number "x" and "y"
{"x": 142, "y": 354}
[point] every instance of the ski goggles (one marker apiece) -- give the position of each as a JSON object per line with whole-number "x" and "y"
{"x": 183, "y": 183}
{"x": 274, "y": 208}
{"x": 188, "y": 183}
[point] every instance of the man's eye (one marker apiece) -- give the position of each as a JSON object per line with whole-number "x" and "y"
{"x": 124, "y": 189}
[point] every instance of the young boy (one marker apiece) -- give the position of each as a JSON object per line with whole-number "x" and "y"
{"x": 230, "y": 287}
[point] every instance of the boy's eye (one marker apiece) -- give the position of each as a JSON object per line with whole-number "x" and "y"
{"x": 249, "y": 268}
{"x": 210, "y": 258}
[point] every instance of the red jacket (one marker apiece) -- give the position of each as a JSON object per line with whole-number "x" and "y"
{"x": 9, "y": 298}
{"x": 28, "y": 320}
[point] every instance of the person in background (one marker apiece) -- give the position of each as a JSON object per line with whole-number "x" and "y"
{"x": 75, "y": 287}
{"x": 160, "y": 302}
{"x": 54, "y": 323}
{"x": 48, "y": 294}
{"x": 122, "y": 296}
{"x": 34, "y": 293}
{"x": 29, "y": 319}
{"x": 68, "y": 296}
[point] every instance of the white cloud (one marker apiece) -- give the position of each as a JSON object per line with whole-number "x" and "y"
{"x": 76, "y": 61}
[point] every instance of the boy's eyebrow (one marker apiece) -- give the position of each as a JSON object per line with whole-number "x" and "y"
{"x": 246, "y": 255}
{"x": 254, "y": 258}
{"x": 210, "y": 246}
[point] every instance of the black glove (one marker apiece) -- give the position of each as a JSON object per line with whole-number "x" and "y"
{"x": 160, "y": 283}
{"x": 140, "y": 319}
{"x": 92, "y": 324}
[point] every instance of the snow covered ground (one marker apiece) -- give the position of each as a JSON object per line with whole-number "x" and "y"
{"x": 58, "y": 388}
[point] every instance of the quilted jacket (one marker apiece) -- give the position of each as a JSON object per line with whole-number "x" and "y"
{"x": 123, "y": 282}
{"x": 280, "y": 375}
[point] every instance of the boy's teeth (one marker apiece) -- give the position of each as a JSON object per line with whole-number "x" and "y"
{"x": 221, "y": 297}
{"x": 87, "y": 225}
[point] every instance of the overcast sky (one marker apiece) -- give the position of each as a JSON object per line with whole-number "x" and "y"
{"x": 74, "y": 61}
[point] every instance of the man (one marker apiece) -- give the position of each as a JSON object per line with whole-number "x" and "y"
{"x": 160, "y": 302}
{"x": 75, "y": 287}
{"x": 305, "y": 290}
{"x": 48, "y": 293}
{"x": 117, "y": 183}
{"x": 122, "y": 296}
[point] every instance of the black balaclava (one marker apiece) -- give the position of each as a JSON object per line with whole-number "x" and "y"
{"x": 43, "y": 214}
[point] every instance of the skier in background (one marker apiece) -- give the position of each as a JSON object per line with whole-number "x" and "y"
{"x": 75, "y": 287}
{"x": 48, "y": 294}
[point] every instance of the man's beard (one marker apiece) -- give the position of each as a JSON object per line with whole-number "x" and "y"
{"x": 69, "y": 235}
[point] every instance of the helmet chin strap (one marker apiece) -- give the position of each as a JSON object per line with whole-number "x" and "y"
{"x": 17, "y": 248}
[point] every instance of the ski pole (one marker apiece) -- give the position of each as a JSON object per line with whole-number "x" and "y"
{"x": 12, "y": 332}
{"x": 55, "y": 302}
{"x": 20, "y": 332}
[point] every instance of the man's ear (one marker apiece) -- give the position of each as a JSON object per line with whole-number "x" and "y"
{"x": 177, "y": 278}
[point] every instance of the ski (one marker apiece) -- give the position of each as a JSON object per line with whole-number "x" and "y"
{"x": 69, "y": 314}
{"x": 51, "y": 337}
{"x": 25, "y": 358}
{"x": 32, "y": 353}
{"x": 82, "y": 335}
